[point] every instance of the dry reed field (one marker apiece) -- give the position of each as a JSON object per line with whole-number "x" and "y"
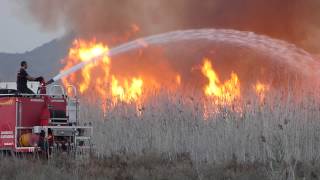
{"x": 280, "y": 133}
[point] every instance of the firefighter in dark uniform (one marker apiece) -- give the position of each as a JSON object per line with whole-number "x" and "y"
{"x": 23, "y": 78}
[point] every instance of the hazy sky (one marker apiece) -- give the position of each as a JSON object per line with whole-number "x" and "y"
{"x": 18, "y": 34}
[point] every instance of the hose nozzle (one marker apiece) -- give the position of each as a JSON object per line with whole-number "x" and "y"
{"x": 50, "y": 82}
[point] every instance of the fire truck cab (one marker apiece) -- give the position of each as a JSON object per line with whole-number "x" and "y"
{"x": 46, "y": 123}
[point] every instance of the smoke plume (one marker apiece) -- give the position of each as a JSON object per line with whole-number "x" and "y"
{"x": 293, "y": 20}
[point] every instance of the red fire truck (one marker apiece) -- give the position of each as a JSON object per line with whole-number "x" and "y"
{"x": 42, "y": 122}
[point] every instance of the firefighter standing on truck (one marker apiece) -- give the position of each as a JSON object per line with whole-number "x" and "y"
{"x": 23, "y": 78}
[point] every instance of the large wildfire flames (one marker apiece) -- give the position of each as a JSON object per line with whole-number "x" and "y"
{"x": 97, "y": 78}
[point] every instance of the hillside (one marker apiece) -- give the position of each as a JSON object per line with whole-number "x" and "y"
{"x": 43, "y": 60}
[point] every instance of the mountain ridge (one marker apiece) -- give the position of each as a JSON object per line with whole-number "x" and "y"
{"x": 43, "y": 60}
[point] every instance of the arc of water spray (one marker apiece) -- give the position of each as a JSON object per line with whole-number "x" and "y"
{"x": 289, "y": 53}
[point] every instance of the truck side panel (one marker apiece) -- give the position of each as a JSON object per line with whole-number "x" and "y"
{"x": 7, "y": 122}
{"x": 31, "y": 109}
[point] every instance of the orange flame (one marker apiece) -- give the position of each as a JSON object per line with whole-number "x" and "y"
{"x": 261, "y": 90}
{"x": 129, "y": 91}
{"x": 95, "y": 76}
{"x": 227, "y": 92}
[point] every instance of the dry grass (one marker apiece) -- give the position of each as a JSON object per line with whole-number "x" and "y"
{"x": 260, "y": 132}
{"x": 148, "y": 166}
{"x": 279, "y": 133}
